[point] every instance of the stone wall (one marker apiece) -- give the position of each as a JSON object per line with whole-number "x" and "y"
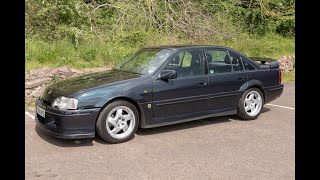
{"x": 287, "y": 63}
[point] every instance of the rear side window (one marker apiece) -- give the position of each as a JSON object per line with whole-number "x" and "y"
{"x": 248, "y": 66}
{"x": 218, "y": 61}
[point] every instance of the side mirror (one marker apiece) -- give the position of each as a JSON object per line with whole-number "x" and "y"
{"x": 167, "y": 74}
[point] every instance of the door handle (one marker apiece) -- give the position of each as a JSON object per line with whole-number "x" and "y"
{"x": 202, "y": 84}
{"x": 241, "y": 79}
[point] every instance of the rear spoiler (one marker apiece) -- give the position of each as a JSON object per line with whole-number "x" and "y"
{"x": 273, "y": 63}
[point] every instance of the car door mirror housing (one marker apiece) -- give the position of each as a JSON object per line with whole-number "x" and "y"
{"x": 167, "y": 74}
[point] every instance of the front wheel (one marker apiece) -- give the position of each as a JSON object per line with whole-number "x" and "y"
{"x": 118, "y": 122}
{"x": 250, "y": 104}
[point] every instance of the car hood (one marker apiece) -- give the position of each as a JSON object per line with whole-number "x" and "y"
{"x": 75, "y": 85}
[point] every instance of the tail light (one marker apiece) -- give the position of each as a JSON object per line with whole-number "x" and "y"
{"x": 280, "y": 76}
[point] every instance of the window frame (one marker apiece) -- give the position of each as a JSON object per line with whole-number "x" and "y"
{"x": 249, "y": 64}
{"x": 242, "y": 58}
{"x": 207, "y": 63}
{"x": 247, "y": 60}
{"x": 241, "y": 61}
{"x": 202, "y": 63}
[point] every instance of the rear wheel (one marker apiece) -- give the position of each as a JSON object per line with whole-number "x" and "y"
{"x": 250, "y": 104}
{"x": 118, "y": 122}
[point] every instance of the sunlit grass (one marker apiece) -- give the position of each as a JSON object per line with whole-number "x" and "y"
{"x": 60, "y": 53}
{"x": 288, "y": 77}
{"x": 103, "y": 52}
{"x": 271, "y": 46}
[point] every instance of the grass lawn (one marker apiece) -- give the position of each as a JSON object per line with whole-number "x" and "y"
{"x": 288, "y": 77}
{"x": 101, "y": 52}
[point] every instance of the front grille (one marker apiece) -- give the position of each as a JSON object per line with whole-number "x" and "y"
{"x": 57, "y": 123}
{"x": 46, "y": 102}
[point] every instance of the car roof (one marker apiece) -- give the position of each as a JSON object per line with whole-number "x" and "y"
{"x": 181, "y": 47}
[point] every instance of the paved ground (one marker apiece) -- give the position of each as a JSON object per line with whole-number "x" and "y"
{"x": 214, "y": 148}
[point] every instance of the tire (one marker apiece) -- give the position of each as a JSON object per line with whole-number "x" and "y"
{"x": 118, "y": 122}
{"x": 247, "y": 111}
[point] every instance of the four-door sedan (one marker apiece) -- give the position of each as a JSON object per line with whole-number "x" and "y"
{"x": 155, "y": 87}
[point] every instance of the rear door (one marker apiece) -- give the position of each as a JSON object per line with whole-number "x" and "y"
{"x": 226, "y": 75}
{"x": 185, "y": 94}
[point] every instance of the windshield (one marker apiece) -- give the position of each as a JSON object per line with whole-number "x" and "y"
{"x": 146, "y": 61}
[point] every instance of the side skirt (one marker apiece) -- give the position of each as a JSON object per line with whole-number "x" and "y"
{"x": 182, "y": 119}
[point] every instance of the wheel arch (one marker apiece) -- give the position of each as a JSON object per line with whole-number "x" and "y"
{"x": 130, "y": 100}
{"x": 261, "y": 89}
{"x": 254, "y": 84}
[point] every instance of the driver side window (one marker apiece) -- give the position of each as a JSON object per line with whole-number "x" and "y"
{"x": 186, "y": 63}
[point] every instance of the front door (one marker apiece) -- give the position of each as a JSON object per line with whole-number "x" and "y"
{"x": 185, "y": 94}
{"x": 226, "y": 76}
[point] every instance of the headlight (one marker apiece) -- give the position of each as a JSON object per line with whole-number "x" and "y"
{"x": 65, "y": 103}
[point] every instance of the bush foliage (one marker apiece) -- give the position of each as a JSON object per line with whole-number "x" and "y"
{"x": 88, "y": 33}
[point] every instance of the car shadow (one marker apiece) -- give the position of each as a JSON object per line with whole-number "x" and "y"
{"x": 265, "y": 109}
{"x": 192, "y": 124}
{"x": 64, "y": 142}
{"x": 142, "y": 132}
{"x": 183, "y": 126}
{"x": 69, "y": 142}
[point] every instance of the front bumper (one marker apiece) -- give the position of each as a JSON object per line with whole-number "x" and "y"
{"x": 67, "y": 124}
